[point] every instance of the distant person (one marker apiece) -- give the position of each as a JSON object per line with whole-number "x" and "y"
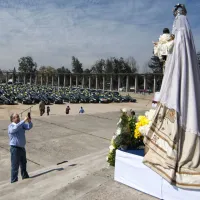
{"x": 81, "y": 110}
{"x": 16, "y": 132}
{"x": 48, "y": 110}
{"x": 42, "y": 107}
{"x": 67, "y": 110}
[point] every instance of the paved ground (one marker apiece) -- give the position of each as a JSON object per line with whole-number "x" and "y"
{"x": 81, "y": 142}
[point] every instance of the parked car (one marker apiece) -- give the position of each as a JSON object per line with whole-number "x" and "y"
{"x": 7, "y": 101}
{"x": 94, "y": 99}
{"x": 27, "y": 100}
{"x": 103, "y": 99}
{"x": 84, "y": 99}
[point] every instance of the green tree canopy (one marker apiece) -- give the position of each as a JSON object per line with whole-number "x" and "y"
{"x": 77, "y": 66}
{"x": 155, "y": 64}
{"x": 98, "y": 67}
{"x": 27, "y": 65}
{"x": 47, "y": 70}
{"x": 87, "y": 71}
{"x": 63, "y": 70}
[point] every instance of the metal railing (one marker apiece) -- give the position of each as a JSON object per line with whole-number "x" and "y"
{"x": 28, "y": 109}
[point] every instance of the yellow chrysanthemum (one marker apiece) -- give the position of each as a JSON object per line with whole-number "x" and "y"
{"x": 142, "y": 121}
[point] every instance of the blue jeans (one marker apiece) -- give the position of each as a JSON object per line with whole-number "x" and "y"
{"x": 18, "y": 158}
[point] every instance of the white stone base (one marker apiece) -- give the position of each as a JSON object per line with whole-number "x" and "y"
{"x": 130, "y": 171}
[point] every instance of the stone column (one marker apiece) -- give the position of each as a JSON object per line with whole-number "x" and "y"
{"x": 70, "y": 81}
{"x": 145, "y": 82}
{"x": 103, "y": 83}
{"x": 18, "y": 78}
{"x": 24, "y": 79}
{"x": 41, "y": 80}
{"x": 111, "y": 83}
{"x": 47, "y": 80}
{"x": 13, "y": 78}
{"x": 154, "y": 84}
{"x": 52, "y": 80}
{"x": 76, "y": 80}
{"x": 127, "y": 83}
{"x": 64, "y": 84}
{"x": 89, "y": 82}
{"x": 83, "y": 81}
{"x": 136, "y": 83}
{"x": 36, "y": 79}
{"x": 119, "y": 82}
{"x": 96, "y": 82}
{"x": 58, "y": 81}
{"x": 7, "y": 78}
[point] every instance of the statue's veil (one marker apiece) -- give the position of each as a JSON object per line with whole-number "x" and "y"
{"x": 180, "y": 87}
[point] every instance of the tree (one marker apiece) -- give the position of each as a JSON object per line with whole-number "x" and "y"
{"x": 98, "y": 67}
{"x": 121, "y": 66}
{"x": 1, "y": 76}
{"x": 77, "y": 66}
{"x": 87, "y": 71}
{"x": 27, "y": 65}
{"x": 115, "y": 66}
{"x": 47, "y": 70}
{"x": 155, "y": 65}
{"x": 109, "y": 65}
{"x": 132, "y": 64}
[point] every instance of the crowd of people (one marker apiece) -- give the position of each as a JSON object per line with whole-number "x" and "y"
{"x": 42, "y": 109}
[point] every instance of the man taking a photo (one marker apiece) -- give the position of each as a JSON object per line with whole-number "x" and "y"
{"x": 16, "y": 132}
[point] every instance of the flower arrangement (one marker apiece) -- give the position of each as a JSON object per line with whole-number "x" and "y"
{"x": 130, "y": 132}
{"x": 124, "y": 136}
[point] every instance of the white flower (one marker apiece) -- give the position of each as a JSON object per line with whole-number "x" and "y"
{"x": 144, "y": 129}
{"x": 124, "y": 110}
{"x": 119, "y": 122}
{"x": 107, "y": 158}
{"x": 118, "y": 131}
{"x": 111, "y": 147}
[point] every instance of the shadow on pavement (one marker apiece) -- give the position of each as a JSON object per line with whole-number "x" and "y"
{"x": 58, "y": 169}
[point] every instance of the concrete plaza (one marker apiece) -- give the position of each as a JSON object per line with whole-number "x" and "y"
{"x": 67, "y": 158}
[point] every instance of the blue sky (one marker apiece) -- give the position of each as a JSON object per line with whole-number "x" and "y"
{"x": 52, "y": 31}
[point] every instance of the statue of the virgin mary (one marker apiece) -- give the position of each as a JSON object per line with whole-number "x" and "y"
{"x": 173, "y": 139}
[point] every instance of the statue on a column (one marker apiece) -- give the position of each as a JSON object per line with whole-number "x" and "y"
{"x": 164, "y": 46}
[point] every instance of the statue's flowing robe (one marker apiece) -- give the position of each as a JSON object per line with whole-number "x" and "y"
{"x": 174, "y": 137}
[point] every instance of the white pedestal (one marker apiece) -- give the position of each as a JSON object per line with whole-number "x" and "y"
{"x": 130, "y": 171}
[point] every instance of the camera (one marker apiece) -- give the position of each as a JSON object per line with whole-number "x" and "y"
{"x": 29, "y": 115}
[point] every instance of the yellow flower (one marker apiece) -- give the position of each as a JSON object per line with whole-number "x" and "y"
{"x": 142, "y": 121}
{"x": 137, "y": 133}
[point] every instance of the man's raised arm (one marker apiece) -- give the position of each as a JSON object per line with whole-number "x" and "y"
{"x": 28, "y": 126}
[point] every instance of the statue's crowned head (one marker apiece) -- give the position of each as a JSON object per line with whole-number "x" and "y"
{"x": 179, "y": 9}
